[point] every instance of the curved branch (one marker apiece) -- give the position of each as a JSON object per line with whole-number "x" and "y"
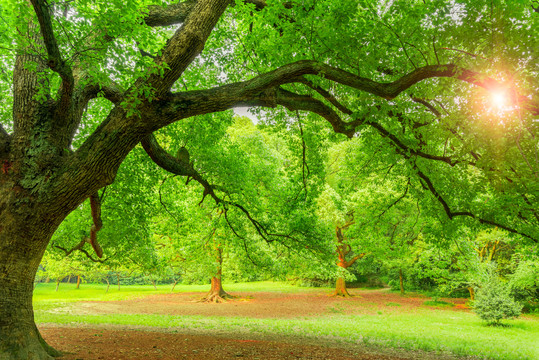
{"x": 451, "y": 214}
{"x": 408, "y": 149}
{"x": 296, "y": 102}
{"x": 176, "y": 165}
{"x": 180, "y": 167}
{"x": 111, "y": 92}
{"x": 261, "y": 90}
{"x": 78, "y": 247}
{"x": 354, "y": 259}
{"x": 168, "y": 15}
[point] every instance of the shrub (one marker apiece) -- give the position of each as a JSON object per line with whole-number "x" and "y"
{"x": 493, "y": 302}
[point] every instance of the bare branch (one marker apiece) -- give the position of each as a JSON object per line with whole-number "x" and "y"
{"x": 397, "y": 200}
{"x": 78, "y": 247}
{"x": 304, "y": 164}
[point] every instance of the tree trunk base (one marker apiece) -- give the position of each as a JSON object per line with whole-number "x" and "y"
{"x": 340, "y": 288}
{"x": 344, "y": 293}
{"x": 27, "y": 344}
{"x": 217, "y": 297}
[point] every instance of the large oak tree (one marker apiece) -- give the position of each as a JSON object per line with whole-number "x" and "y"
{"x": 84, "y": 82}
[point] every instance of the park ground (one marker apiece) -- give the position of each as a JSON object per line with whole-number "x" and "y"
{"x": 271, "y": 321}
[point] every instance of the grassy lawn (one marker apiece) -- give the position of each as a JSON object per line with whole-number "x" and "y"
{"x": 461, "y": 333}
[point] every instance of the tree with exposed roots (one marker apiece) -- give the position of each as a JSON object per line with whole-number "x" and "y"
{"x": 217, "y": 294}
{"x": 84, "y": 82}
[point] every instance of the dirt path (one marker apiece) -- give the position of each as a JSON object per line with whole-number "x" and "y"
{"x": 132, "y": 343}
{"x": 263, "y": 304}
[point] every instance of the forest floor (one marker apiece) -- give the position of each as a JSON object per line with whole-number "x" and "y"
{"x": 128, "y": 342}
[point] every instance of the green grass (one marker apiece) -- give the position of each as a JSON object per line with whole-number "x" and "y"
{"x": 460, "y": 333}
{"x": 97, "y": 292}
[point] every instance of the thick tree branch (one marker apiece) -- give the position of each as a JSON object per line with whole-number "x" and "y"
{"x": 354, "y": 259}
{"x": 294, "y": 102}
{"x": 186, "y": 43}
{"x": 169, "y": 15}
{"x": 112, "y": 92}
{"x": 55, "y": 61}
{"x": 327, "y": 95}
{"x": 261, "y": 90}
{"x": 177, "y": 13}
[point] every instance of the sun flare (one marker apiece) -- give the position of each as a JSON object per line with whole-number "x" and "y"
{"x": 499, "y": 99}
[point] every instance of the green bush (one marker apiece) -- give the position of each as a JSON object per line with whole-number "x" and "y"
{"x": 493, "y": 302}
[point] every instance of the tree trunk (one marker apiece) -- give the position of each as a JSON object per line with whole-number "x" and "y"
{"x": 57, "y": 284}
{"x": 78, "y": 281}
{"x": 472, "y": 293}
{"x": 173, "y": 286}
{"x": 401, "y": 281}
{"x": 118, "y": 278}
{"x": 340, "y": 288}
{"x": 108, "y": 285}
{"x": 153, "y": 283}
{"x": 23, "y": 240}
{"x": 216, "y": 293}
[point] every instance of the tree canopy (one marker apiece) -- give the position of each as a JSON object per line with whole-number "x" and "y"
{"x": 83, "y": 83}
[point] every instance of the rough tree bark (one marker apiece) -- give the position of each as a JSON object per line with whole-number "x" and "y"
{"x": 20, "y": 255}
